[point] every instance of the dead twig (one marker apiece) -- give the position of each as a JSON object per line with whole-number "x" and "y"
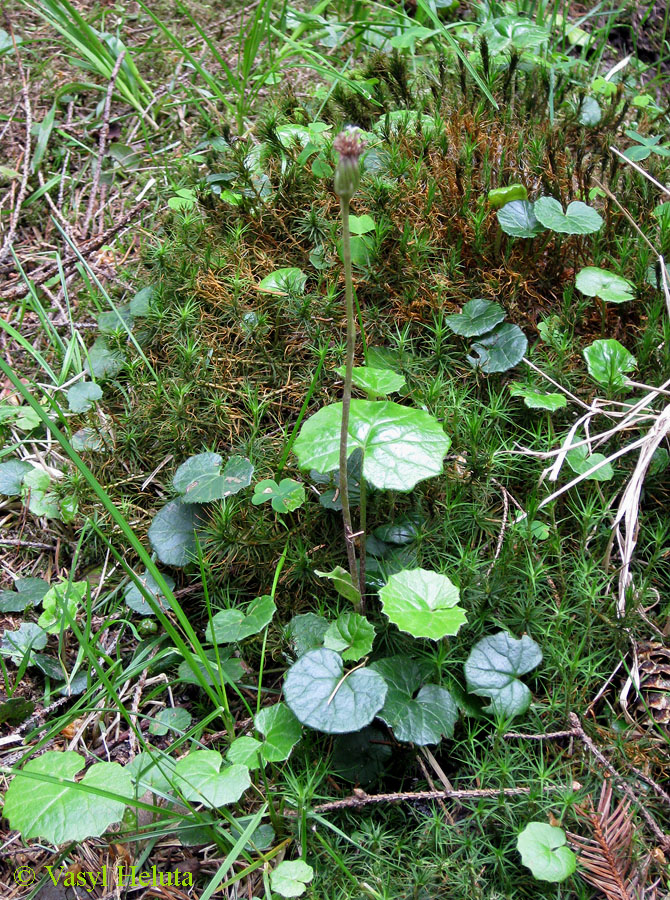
{"x": 102, "y": 144}
{"x": 43, "y": 273}
{"x": 23, "y": 188}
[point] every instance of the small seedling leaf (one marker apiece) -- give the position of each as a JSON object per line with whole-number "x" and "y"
{"x": 284, "y": 281}
{"x": 201, "y": 480}
{"x": 286, "y": 496}
{"x": 512, "y": 192}
{"x": 83, "y": 395}
{"x": 322, "y": 697}
{"x": 377, "y": 382}
{"x": 543, "y": 850}
{"x": 172, "y": 718}
{"x": 29, "y": 592}
{"x": 518, "y": 219}
{"x": 580, "y": 462}
{"x": 291, "y": 877}
{"x": 536, "y": 399}
{"x": 27, "y": 637}
{"x": 493, "y": 667}
{"x": 135, "y": 599}
{"x": 103, "y": 362}
{"x": 342, "y": 582}
{"x": 306, "y": 632}
{"x": 58, "y": 599}
{"x": 423, "y": 603}
{"x": 232, "y": 625}
{"x": 11, "y": 476}
{"x": 500, "y": 350}
{"x": 351, "y": 635}
{"x": 172, "y": 533}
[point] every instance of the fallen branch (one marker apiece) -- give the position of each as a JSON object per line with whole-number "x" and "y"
{"x": 360, "y": 798}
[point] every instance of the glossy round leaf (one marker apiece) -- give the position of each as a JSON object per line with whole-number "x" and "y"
{"x": 609, "y": 287}
{"x": 578, "y": 218}
{"x": 27, "y": 637}
{"x": 245, "y": 751}
{"x": 518, "y": 219}
{"x": 322, "y": 697}
{"x": 477, "y": 317}
{"x": 499, "y": 350}
{"x": 422, "y": 603}
{"x": 171, "y": 718}
{"x": 608, "y": 362}
{"x": 65, "y": 811}
{"x": 544, "y": 851}
{"x": 102, "y": 361}
{"x": 401, "y": 446}
{"x": 493, "y": 667}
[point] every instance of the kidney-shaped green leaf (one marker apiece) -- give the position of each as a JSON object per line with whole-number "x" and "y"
{"x": 577, "y": 219}
{"x": 421, "y": 719}
{"x": 65, "y": 811}
{"x": 200, "y": 479}
{"x": 284, "y": 281}
{"x": 11, "y": 476}
{"x": 500, "y": 349}
{"x": 200, "y": 778}
{"x": 477, "y": 317}
{"x": 351, "y": 635}
{"x": 83, "y": 395}
{"x": 281, "y": 731}
{"x": 231, "y": 625}
{"x": 611, "y": 288}
{"x": 377, "y": 382}
{"x": 536, "y": 399}
{"x": 172, "y": 533}
{"x": 323, "y": 697}
{"x": 423, "y": 603}
{"x": 518, "y": 219}
{"x": 543, "y": 850}
{"x": 291, "y": 877}
{"x": 493, "y": 669}
{"x": 401, "y": 446}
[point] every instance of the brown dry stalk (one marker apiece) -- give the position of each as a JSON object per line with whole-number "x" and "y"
{"x": 360, "y": 798}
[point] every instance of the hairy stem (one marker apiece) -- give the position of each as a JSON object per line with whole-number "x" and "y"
{"x": 346, "y": 395}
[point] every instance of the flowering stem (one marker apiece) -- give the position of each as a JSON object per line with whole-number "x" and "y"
{"x": 346, "y": 395}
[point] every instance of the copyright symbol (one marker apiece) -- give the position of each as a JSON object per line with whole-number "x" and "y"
{"x": 24, "y": 875}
